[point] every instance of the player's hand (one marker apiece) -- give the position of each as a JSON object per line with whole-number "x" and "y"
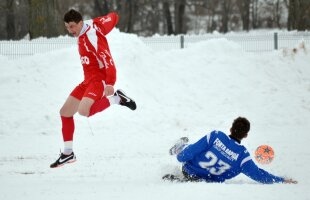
{"x": 109, "y": 90}
{"x": 290, "y": 181}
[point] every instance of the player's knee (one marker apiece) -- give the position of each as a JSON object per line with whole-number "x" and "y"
{"x": 63, "y": 112}
{"x": 83, "y": 112}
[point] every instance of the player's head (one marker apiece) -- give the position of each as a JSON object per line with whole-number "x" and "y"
{"x": 240, "y": 128}
{"x": 73, "y": 22}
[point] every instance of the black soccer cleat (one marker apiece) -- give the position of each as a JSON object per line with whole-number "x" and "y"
{"x": 125, "y": 100}
{"x": 173, "y": 178}
{"x": 63, "y": 159}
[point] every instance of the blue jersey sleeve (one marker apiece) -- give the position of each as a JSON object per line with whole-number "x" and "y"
{"x": 191, "y": 150}
{"x": 251, "y": 170}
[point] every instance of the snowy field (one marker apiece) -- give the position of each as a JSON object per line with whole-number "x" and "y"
{"x": 122, "y": 154}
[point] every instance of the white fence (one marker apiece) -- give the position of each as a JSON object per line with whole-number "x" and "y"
{"x": 255, "y": 42}
{"x": 21, "y": 48}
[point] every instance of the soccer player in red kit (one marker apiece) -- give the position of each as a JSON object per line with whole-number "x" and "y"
{"x": 96, "y": 92}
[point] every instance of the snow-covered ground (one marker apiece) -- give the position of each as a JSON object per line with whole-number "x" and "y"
{"x": 122, "y": 154}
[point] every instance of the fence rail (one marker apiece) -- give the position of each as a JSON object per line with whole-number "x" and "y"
{"x": 254, "y": 42}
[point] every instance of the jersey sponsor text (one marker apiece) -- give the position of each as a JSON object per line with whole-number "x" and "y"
{"x": 218, "y": 144}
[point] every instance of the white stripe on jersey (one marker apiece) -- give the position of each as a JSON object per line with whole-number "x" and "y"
{"x": 245, "y": 160}
{"x": 92, "y": 37}
{"x": 208, "y": 137}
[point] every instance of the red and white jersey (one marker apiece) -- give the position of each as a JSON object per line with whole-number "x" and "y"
{"x": 94, "y": 50}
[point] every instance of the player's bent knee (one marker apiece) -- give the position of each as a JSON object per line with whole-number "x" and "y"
{"x": 63, "y": 112}
{"x": 83, "y": 112}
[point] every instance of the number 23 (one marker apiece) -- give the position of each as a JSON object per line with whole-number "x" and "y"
{"x": 210, "y": 164}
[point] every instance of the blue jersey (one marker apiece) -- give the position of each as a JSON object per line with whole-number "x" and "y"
{"x": 217, "y": 157}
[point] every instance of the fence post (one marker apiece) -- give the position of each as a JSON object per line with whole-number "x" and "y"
{"x": 182, "y": 41}
{"x": 275, "y": 36}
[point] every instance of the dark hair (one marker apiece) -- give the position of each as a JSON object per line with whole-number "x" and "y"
{"x": 72, "y": 16}
{"x": 240, "y": 128}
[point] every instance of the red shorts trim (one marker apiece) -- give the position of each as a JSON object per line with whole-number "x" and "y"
{"x": 93, "y": 90}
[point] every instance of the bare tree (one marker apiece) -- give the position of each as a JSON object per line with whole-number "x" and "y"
{"x": 179, "y": 12}
{"x": 168, "y": 19}
{"x": 127, "y": 12}
{"x": 212, "y": 6}
{"x": 13, "y": 19}
{"x": 154, "y": 17}
{"x": 45, "y": 19}
{"x": 226, "y": 7}
{"x": 298, "y": 17}
{"x": 244, "y": 9}
{"x": 254, "y": 14}
{"x": 277, "y": 13}
{"x": 101, "y": 7}
{"x": 10, "y": 19}
{"x": 3, "y": 20}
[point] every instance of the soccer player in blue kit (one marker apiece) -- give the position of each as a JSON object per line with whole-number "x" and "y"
{"x": 217, "y": 157}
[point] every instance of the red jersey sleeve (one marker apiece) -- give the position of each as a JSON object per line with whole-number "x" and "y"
{"x": 106, "y": 23}
{"x": 105, "y": 57}
{"x": 110, "y": 73}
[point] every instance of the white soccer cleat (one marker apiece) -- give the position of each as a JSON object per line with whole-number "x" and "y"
{"x": 179, "y": 146}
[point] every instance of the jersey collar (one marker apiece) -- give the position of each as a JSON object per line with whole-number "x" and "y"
{"x": 84, "y": 29}
{"x": 234, "y": 138}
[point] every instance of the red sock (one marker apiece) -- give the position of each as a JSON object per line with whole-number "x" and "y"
{"x": 67, "y": 128}
{"x": 99, "y": 106}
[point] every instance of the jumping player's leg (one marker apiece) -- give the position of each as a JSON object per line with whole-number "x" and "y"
{"x": 85, "y": 105}
{"x": 95, "y": 101}
{"x": 70, "y": 107}
{"x": 88, "y": 106}
{"x": 67, "y": 111}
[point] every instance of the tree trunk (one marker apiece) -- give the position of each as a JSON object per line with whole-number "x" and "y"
{"x": 130, "y": 16}
{"x": 10, "y": 20}
{"x": 126, "y": 11}
{"x": 290, "y": 16}
{"x": 179, "y": 16}
{"x": 277, "y": 14}
{"x": 298, "y": 14}
{"x": 167, "y": 15}
{"x": 244, "y": 9}
{"x": 246, "y": 15}
{"x": 45, "y": 19}
{"x": 101, "y": 7}
{"x": 254, "y": 14}
{"x": 3, "y": 20}
{"x": 13, "y": 19}
{"x": 226, "y": 6}
{"x": 155, "y": 17}
{"x": 212, "y": 12}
